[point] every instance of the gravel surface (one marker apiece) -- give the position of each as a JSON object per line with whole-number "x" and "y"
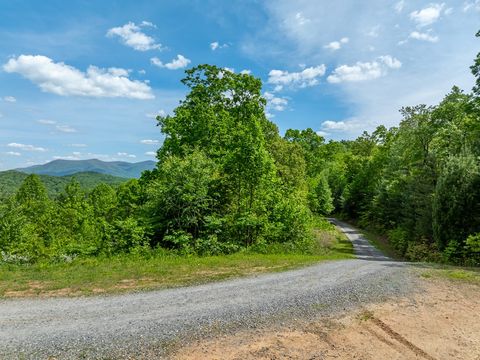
{"x": 146, "y": 325}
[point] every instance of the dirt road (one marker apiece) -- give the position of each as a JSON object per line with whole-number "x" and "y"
{"x": 149, "y": 324}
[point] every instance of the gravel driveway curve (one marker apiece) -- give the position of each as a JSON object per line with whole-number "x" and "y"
{"x": 142, "y": 325}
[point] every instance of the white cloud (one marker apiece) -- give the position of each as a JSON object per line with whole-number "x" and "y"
{"x": 66, "y": 157}
{"x": 334, "y": 125}
{"x": 307, "y": 77}
{"x": 349, "y": 126}
{"x": 362, "y": 71}
{"x": 79, "y": 145}
{"x": 26, "y": 147}
{"x": 301, "y": 20}
{"x": 322, "y": 133}
{"x": 151, "y": 153}
{"x": 60, "y": 127}
{"x": 161, "y": 113}
{"x": 179, "y": 62}
{"x": 9, "y": 99}
{"x": 142, "y": 72}
{"x": 149, "y": 142}
{"x": 423, "y": 36}
{"x": 275, "y": 102}
{"x": 427, "y": 72}
{"x": 246, "y": 72}
{"x": 336, "y": 45}
{"x": 399, "y": 6}
{"x": 148, "y": 23}
{"x": 471, "y": 5}
{"x": 124, "y": 154}
{"x": 428, "y": 15}
{"x": 132, "y": 36}
{"x": 46, "y": 122}
{"x": 216, "y": 45}
{"x": 13, "y": 153}
{"x": 61, "y": 79}
{"x": 65, "y": 128}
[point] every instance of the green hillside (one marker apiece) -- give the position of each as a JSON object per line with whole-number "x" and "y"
{"x": 11, "y": 180}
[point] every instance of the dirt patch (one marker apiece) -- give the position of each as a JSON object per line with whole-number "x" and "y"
{"x": 440, "y": 322}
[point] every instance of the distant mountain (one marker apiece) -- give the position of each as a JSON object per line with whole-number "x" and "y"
{"x": 68, "y": 167}
{"x": 11, "y": 180}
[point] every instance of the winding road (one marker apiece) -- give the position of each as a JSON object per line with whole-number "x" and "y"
{"x": 144, "y": 325}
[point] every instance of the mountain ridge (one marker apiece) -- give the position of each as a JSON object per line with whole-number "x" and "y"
{"x": 62, "y": 167}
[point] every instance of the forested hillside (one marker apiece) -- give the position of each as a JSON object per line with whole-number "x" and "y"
{"x": 62, "y": 167}
{"x": 11, "y": 180}
{"x": 226, "y": 180}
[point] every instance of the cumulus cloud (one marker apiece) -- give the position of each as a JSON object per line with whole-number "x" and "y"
{"x": 149, "y": 142}
{"x": 246, "y": 72}
{"x": 151, "y": 153}
{"x": 423, "y": 36}
{"x": 9, "y": 99}
{"x": 275, "y": 102}
{"x": 334, "y": 125}
{"x": 362, "y": 71}
{"x": 26, "y": 147}
{"x": 428, "y": 15}
{"x": 179, "y": 62}
{"x": 322, "y": 133}
{"x": 349, "y": 125}
{"x": 13, "y": 153}
{"x": 124, "y": 154}
{"x": 132, "y": 36}
{"x": 62, "y": 79}
{"x": 336, "y": 45}
{"x": 307, "y": 77}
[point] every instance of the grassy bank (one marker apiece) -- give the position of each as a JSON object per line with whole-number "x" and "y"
{"x": 158, "y": 270}
{"x": 453, "y": 273}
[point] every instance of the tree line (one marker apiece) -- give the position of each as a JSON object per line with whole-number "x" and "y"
{"x": 226, "y": 180}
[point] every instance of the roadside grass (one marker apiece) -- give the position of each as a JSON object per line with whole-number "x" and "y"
{"x": 158, "y": 270}
{"x": 453, "y": 273}
{"x": 378, "y": 241}
{"x": 381, "y": 243}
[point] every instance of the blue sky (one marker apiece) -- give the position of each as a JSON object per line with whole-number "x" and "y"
{"x": 85, "y": 79}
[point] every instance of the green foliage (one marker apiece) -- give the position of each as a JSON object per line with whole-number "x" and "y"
{"x": 225, "y": 178}
{"x": 457, "y": 192}
{"x": 226, "y": 181}
{"x": 11, "y": 180}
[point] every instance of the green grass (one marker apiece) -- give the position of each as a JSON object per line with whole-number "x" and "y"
{"x": 129, "y": 272}
{"x": 454, "y": 273}
{"x": 381, "y": 243}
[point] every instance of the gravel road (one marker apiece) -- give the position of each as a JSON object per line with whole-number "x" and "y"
{"x": 144, "y": 325}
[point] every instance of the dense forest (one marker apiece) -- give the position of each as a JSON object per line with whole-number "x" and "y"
{"x": 11, "y": 180}
{"x": 226, "y": 180}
